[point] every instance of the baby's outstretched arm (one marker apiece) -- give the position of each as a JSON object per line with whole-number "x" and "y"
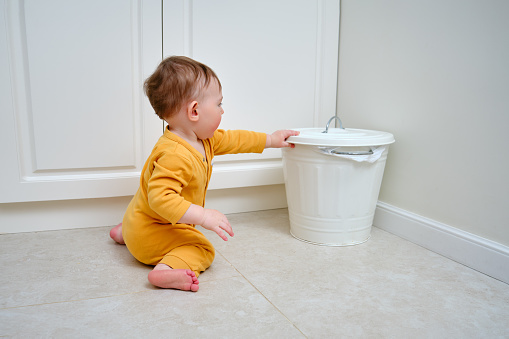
{"x": 278, "y": 139}
{"x": 209, "y": 219}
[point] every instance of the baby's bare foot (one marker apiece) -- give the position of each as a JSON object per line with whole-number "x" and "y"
{"x": 180, "y": 279}
{"x": 116, "y": 234}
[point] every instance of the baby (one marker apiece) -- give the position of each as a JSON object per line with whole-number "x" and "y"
{"x": 159, "y": 224}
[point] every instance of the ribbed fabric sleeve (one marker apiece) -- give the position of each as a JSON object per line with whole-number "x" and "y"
{"x": 238, "y": 141}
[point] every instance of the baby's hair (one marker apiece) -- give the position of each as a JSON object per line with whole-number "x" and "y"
{"x": 176, "y": 81}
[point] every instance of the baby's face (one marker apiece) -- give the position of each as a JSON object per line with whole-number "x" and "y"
{"x": 209, "y": 110}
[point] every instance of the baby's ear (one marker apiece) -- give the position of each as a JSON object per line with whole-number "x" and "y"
{"x": 192, "y": 111}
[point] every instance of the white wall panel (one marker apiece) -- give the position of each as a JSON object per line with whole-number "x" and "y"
{"x": 277, "y": 62}
{"x": 73, "y": 114}
{"x": 78, "y": 66}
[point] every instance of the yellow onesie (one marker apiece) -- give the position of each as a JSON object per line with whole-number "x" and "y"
{"x": 175, "y": 176}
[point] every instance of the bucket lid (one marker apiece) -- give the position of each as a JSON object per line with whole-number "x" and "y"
{"x": 341, "y": 137}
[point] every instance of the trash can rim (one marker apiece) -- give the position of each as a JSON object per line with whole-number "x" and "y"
{"x": 341, "y": 137}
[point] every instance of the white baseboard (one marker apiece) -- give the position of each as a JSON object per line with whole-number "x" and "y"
{"x": 478, "y": 253}
{"x": 69, "y": 214}
{"x": 247, "y": 199}
{"x": 40, "y": 216}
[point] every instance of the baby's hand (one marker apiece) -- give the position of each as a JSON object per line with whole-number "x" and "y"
{"x": 216, "y": 221}
{"x": 278, "y": 139}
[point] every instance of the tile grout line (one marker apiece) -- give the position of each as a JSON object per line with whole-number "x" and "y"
{"x": 263, "y": 295}
{"x": 104, "y": 297}
{"x": 70, "y": 301}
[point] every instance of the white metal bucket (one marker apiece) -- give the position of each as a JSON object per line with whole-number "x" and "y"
{"x": 331, "y": 194}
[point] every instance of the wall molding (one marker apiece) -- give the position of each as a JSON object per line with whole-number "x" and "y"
{"x": 480, "y": 254}
{"x": 246, "y": 174}
{"x": 38, "y": 216}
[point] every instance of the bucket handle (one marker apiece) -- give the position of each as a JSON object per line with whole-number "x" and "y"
{"x": 336, "y": 152}
{"x": 330, "y": 120}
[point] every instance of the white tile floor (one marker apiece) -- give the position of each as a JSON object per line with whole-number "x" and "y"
{"x": 263, "y": 284}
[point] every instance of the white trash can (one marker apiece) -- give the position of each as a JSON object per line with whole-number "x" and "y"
{"x": 332, "y": 183}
